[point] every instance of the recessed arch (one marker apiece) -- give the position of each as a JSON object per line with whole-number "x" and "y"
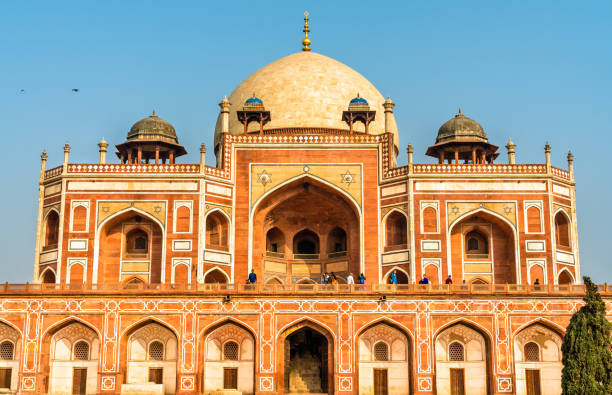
{"x": 216, "y": 274}
{"x": 395, "y": 230}
{"x": 563, "y": 229}
{"x": 218, "y": 226}
{"x": 553, "y": 326}
{"x": 136, "y": 211}
{"x": 347, "y": 199}
{"x": 306, "y": 281}
{"x": 515, "y": 244}
{"x": 477, "y": 365}
{"x": 319, "y": 351}
{"x": 400, "y": 342}
{"x": 399, "y": 269}
{"x": 48, "y": 276}
{"x": 274, "y": 280}
{"x": 51, "y": 225}
{"x": 565, "y": 277}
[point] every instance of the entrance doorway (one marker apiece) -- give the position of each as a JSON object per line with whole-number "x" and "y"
{"x": 533, "y": 381}
{"x": 79, "y": 381}
{"x": 457, "y": 378}
{"x": 5, "y": 377}
{"x": 306, "y": 362}
{"x": 380, "y": 382}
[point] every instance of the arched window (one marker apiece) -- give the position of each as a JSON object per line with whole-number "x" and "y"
{"x": 7, "y": 351}
{"x": 430, "y": 220}
{"x": 562, "y": 230}
{"x": 532, "y": 352}
{"x": 381, "y": 352}
{"x": 183, "y": 219}
{"x": 456, "y": 352}
{"x": 48, "y": 277}
{"x": 137, "y": 242}
{"x": 306, "y": 243}
{"x": 565, "y": 278}
{"x": 81, "y": 351}
{"x": 396, "y": 232}
{"x": 215, "y": 277}
{"x": 79, "y": 219}
{"x": 476, "y": 245}
{"x": 217, "y": 229}
{"x": 275, "y": 242}
{"x": 230, "y": 351}
{"x": 336, "y": 241}
{"x": 51, "y": 230}
{"x": 156, "y": 351}
{"x": 533, "y": 220}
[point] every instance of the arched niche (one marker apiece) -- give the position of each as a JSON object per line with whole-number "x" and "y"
{"x": 10, "y": 354}
{"x": 463, "y": 360}
{"x": 563, "y": 234}
{"x": 306, "y": 242}
{"x": 215, "y": 276}
{"x": 217, "y": 231}
{"x": 131, "y": 244}
{"x": 150, "y": 358}
{"x": 51, "y": 230}
{"x": 275, "y": 242}
{"x": 396, "y": 231}
{"x": 70, "y": 370}
{"x": 385, "y": 355}
{"x": 494, "y": 259}
{"x": 537, "y": 358}
{"x": 336, "y": 242}
{"x": 228, "y": 359}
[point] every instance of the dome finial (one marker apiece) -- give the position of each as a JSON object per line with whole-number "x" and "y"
{"x": 153, "y": 113}
{"x": 306, "y": 40}
{"x": 459, "y": 110}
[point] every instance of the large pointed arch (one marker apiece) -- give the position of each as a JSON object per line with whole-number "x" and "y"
{"x": 385, "y": 279}
{"x": 100, "y": 226}
{"x": 517, "y": 257}
{"x": 567, "y": 273}
{"x": 351, "y": 201}
{"x": 327, "y": 354}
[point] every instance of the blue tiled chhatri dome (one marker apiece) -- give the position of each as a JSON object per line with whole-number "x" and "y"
{"x": 253, "y": 103}
{"x": 358, "y": 102}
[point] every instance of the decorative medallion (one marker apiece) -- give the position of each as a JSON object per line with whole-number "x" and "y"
{"x": 306, "y": 169}
{"x": 508, "y": 210}
{"x": 455, "y": 210}
{"x": 347, "y": 178}
{"x": 264, "y": 178}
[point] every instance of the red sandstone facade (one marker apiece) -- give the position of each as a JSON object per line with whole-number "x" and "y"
{"x": 140, "y": 268}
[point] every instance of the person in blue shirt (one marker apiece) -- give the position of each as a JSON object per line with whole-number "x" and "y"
{"x": 425, "y": 280}
{"x": 361, "y": 279}
{"x": 252, "y": 277}
{"x": 393, "y": 277}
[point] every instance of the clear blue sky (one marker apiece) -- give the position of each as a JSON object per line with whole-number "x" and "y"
{"x": 534, "y": 71}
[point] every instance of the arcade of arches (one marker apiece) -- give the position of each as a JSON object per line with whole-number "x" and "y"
{"x": 305, "y": 361}
{"x": 307, "y": 229}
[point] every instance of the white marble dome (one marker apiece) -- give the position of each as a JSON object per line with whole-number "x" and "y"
{"x": 306, "y": 90}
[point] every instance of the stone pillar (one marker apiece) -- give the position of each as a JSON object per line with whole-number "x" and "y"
{"x": 43, "y": 165}
{"x": 389, "y": 117}
{"x": 66, "y": 156}
{"x": 202, "y": 158}
{"x": 103, "y": 146}
{"x": 225, "y": 106}
{"x": 570, "y": 165}
{"x": 409, "y": 151}
{"x": 547, "y": 152}
{"x": 511, "y": 147}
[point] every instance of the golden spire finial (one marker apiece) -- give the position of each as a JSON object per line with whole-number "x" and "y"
{"x": 153, "y": 113}
{"x": 306, "y": 40}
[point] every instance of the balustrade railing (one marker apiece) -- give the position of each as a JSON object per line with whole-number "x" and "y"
{"x": 217, "y": 289}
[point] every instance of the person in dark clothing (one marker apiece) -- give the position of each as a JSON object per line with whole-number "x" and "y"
{"x": 361, "y": 279}
{"x": 449, "y": 280}
{"x": 252, "y": 277}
